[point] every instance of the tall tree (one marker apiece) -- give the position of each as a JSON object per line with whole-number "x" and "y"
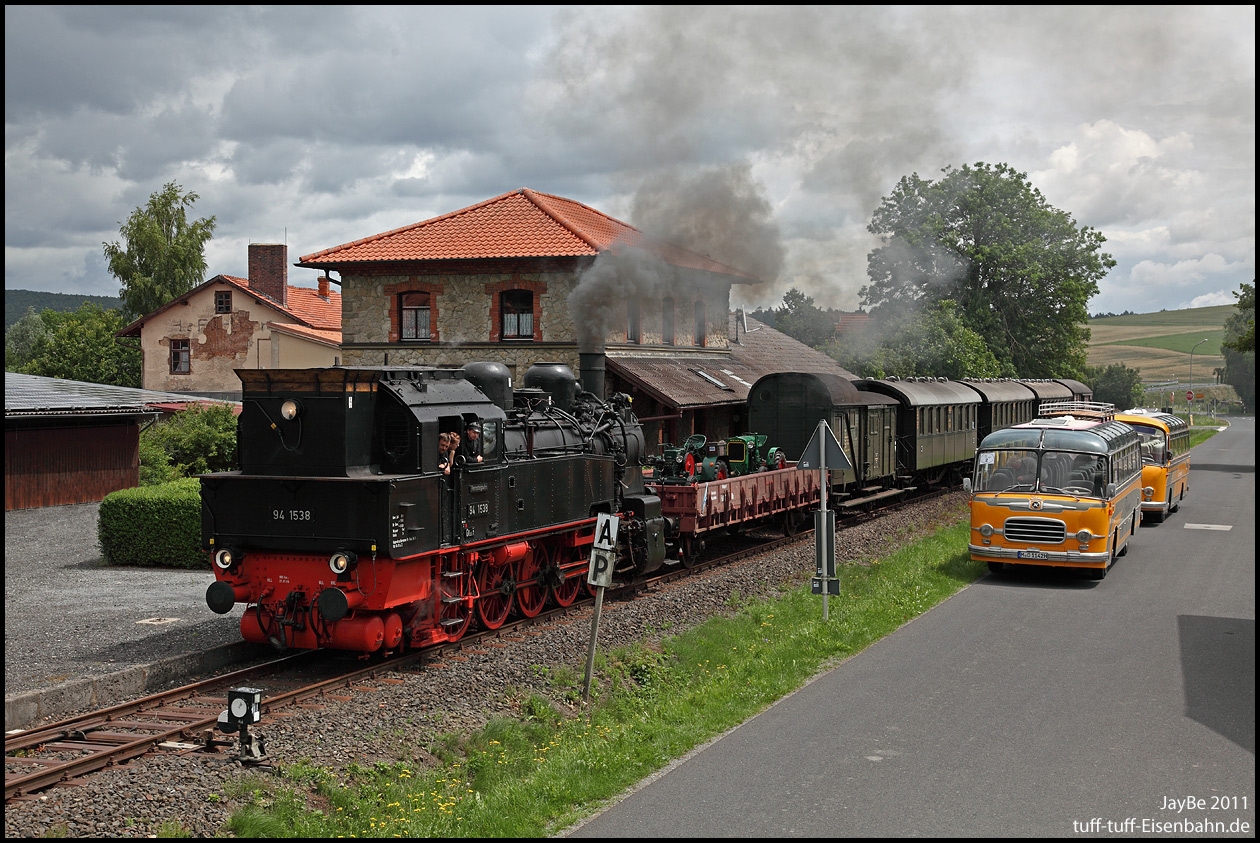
{"x": 1239, "y": 347}
{"x": 162, "y": 255}
{"x": 1020, "y": 270}
{"x": 802, "y": 321}
{"x": 928, "y": 343}
{"x": 1116, "y": 384}
{"x": 83, "y": 346}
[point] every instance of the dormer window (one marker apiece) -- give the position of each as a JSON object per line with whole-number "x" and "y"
{"x": 414, "y": 316}
{"x": 516, "y": 310}
{"x": 223, "y": 301}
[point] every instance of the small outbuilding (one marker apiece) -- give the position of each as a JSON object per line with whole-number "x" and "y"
{"x": 70, "y": 442}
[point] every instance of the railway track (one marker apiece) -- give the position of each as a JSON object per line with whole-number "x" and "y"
{"x": 183, "y": 720}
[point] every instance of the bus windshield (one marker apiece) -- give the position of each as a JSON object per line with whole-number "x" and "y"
{"x": 1153, "y": 440}
{"x": 1027, "y": 470}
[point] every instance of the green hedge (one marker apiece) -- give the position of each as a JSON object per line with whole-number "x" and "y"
{"x": 153, "y": 526}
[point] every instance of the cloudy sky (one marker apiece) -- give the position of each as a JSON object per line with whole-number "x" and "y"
{"x": 316, "y": 126}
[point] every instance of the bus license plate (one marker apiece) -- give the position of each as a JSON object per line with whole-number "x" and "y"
{"x": 1032, "y": 554}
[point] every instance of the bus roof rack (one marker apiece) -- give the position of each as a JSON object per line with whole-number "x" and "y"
{"x": 1079, "y": 409}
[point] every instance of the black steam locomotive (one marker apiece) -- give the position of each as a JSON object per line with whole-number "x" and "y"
{"x": 342, "y": 530}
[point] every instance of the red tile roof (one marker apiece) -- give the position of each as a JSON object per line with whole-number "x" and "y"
{"x": 522, "y": 223}
{"x": 306, "y": 305}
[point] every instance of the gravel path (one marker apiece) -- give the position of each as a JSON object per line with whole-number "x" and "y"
{"x": 398, "y": 721}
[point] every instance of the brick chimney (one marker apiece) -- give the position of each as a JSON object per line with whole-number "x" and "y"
{"x": 323, "y": 287}
{"x": 269, "y": 271}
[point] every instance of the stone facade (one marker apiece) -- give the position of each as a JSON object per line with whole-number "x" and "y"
{"x": 465, "y": 316}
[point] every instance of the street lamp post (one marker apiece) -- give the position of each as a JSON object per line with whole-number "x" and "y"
{"x": 1190, "y": 403}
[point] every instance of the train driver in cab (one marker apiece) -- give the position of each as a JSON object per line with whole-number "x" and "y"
{"x": 471, "y": 448}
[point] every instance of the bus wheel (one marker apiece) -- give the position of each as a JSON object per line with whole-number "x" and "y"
{"x": 997, "y": 567}
{"x": 1096, "y": 573}
{"x": 1158, "y": 517}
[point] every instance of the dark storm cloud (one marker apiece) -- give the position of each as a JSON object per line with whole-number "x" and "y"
{"x": 334, "y": 123}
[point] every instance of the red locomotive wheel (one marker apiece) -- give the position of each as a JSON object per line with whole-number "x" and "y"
{"x": 496, "y": 586}
{"x": 531, "y": 591}
{"x": 568, "y": 589}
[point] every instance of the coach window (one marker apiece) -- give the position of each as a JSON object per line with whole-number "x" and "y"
{"x": 667, "y": 322}
{"x": 223, "y": 301}
{"x": 414, "y": 316}
{"x": 516, "y": 309}
{"x": 181, "y": 357}
{"x": 633, "y": 331}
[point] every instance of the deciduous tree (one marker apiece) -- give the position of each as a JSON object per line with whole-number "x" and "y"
{"x": 802, "y": 321}
{"x": 1239, "y": 347}
{"x": 82, "y": 346}
{"x": 1116, "y": 384}
{"x": 1020, "y": 270}
{"x": 929, "y": 343}
{"x": 162, "y": 254}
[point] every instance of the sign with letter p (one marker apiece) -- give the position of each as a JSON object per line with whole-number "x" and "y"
{"x": 603, "y": 551}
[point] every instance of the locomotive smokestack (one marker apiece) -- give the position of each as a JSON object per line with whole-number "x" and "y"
{"x": 591, "y": 369}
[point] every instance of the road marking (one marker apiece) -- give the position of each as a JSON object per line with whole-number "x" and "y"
{"x": 1222, "y": 527}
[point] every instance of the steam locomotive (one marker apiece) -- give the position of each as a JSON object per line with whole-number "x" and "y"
{"x": 340, "y": 530}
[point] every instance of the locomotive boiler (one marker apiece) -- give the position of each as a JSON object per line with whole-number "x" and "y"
{"x": 340, "y": 529}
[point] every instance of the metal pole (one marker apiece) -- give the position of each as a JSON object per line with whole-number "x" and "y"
{"x": 1190, "y": 403}
{"x": 822, "y": 502}
{"x": 590, "y": 651}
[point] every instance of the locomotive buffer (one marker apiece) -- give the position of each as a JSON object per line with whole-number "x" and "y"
{"x": 824, "y": 452}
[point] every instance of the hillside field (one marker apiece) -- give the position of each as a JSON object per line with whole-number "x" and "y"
{"x": 1159, "y": 344}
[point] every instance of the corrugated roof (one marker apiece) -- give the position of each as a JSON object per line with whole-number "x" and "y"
{"x": 520, "y": 224}
{"x": 33, "y": 395}
{"x": 690, "y": 381}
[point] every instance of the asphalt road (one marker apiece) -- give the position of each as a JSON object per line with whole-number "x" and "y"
{"x": 1027, "y": 705}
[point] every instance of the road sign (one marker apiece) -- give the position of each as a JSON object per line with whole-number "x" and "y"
{"x": 604, "y": 551}
{"x": 835, "y": 454}
{"x": 1189, "y": 395}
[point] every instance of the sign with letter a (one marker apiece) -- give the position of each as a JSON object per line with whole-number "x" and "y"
{"x": 604, "y": 551}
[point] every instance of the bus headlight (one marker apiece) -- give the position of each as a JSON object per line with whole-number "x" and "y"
{"x": 1148, "y": 493}
{"x": 986, "y": 530}
{"x": 342, "y": 561}
{"x": 227, "y": 557}
{"x": 1083, "y": 536}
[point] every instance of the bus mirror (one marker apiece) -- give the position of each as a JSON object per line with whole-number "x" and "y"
{"x": 967, "y": 485}
{"x": 1111, "y": 490}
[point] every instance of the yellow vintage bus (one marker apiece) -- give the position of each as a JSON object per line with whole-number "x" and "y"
{"x": 1165, "y": 460}
{"x": 1062, "y": 490}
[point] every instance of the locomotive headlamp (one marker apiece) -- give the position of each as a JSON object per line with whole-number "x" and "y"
{"x": 227, "y": 557}
{"x": 289, "y": 409}
{"x": 342, "y": 561}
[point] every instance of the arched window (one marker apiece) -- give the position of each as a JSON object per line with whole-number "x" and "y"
{"x": 700, "y": 324}
{"x": 516, "y": 312}
{"x": 633, "y": 330}
{"x": 414, "y": 316}
{"x": 667, "y": 321}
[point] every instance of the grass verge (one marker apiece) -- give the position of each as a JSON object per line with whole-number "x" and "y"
{"x": 538, "y": 773}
